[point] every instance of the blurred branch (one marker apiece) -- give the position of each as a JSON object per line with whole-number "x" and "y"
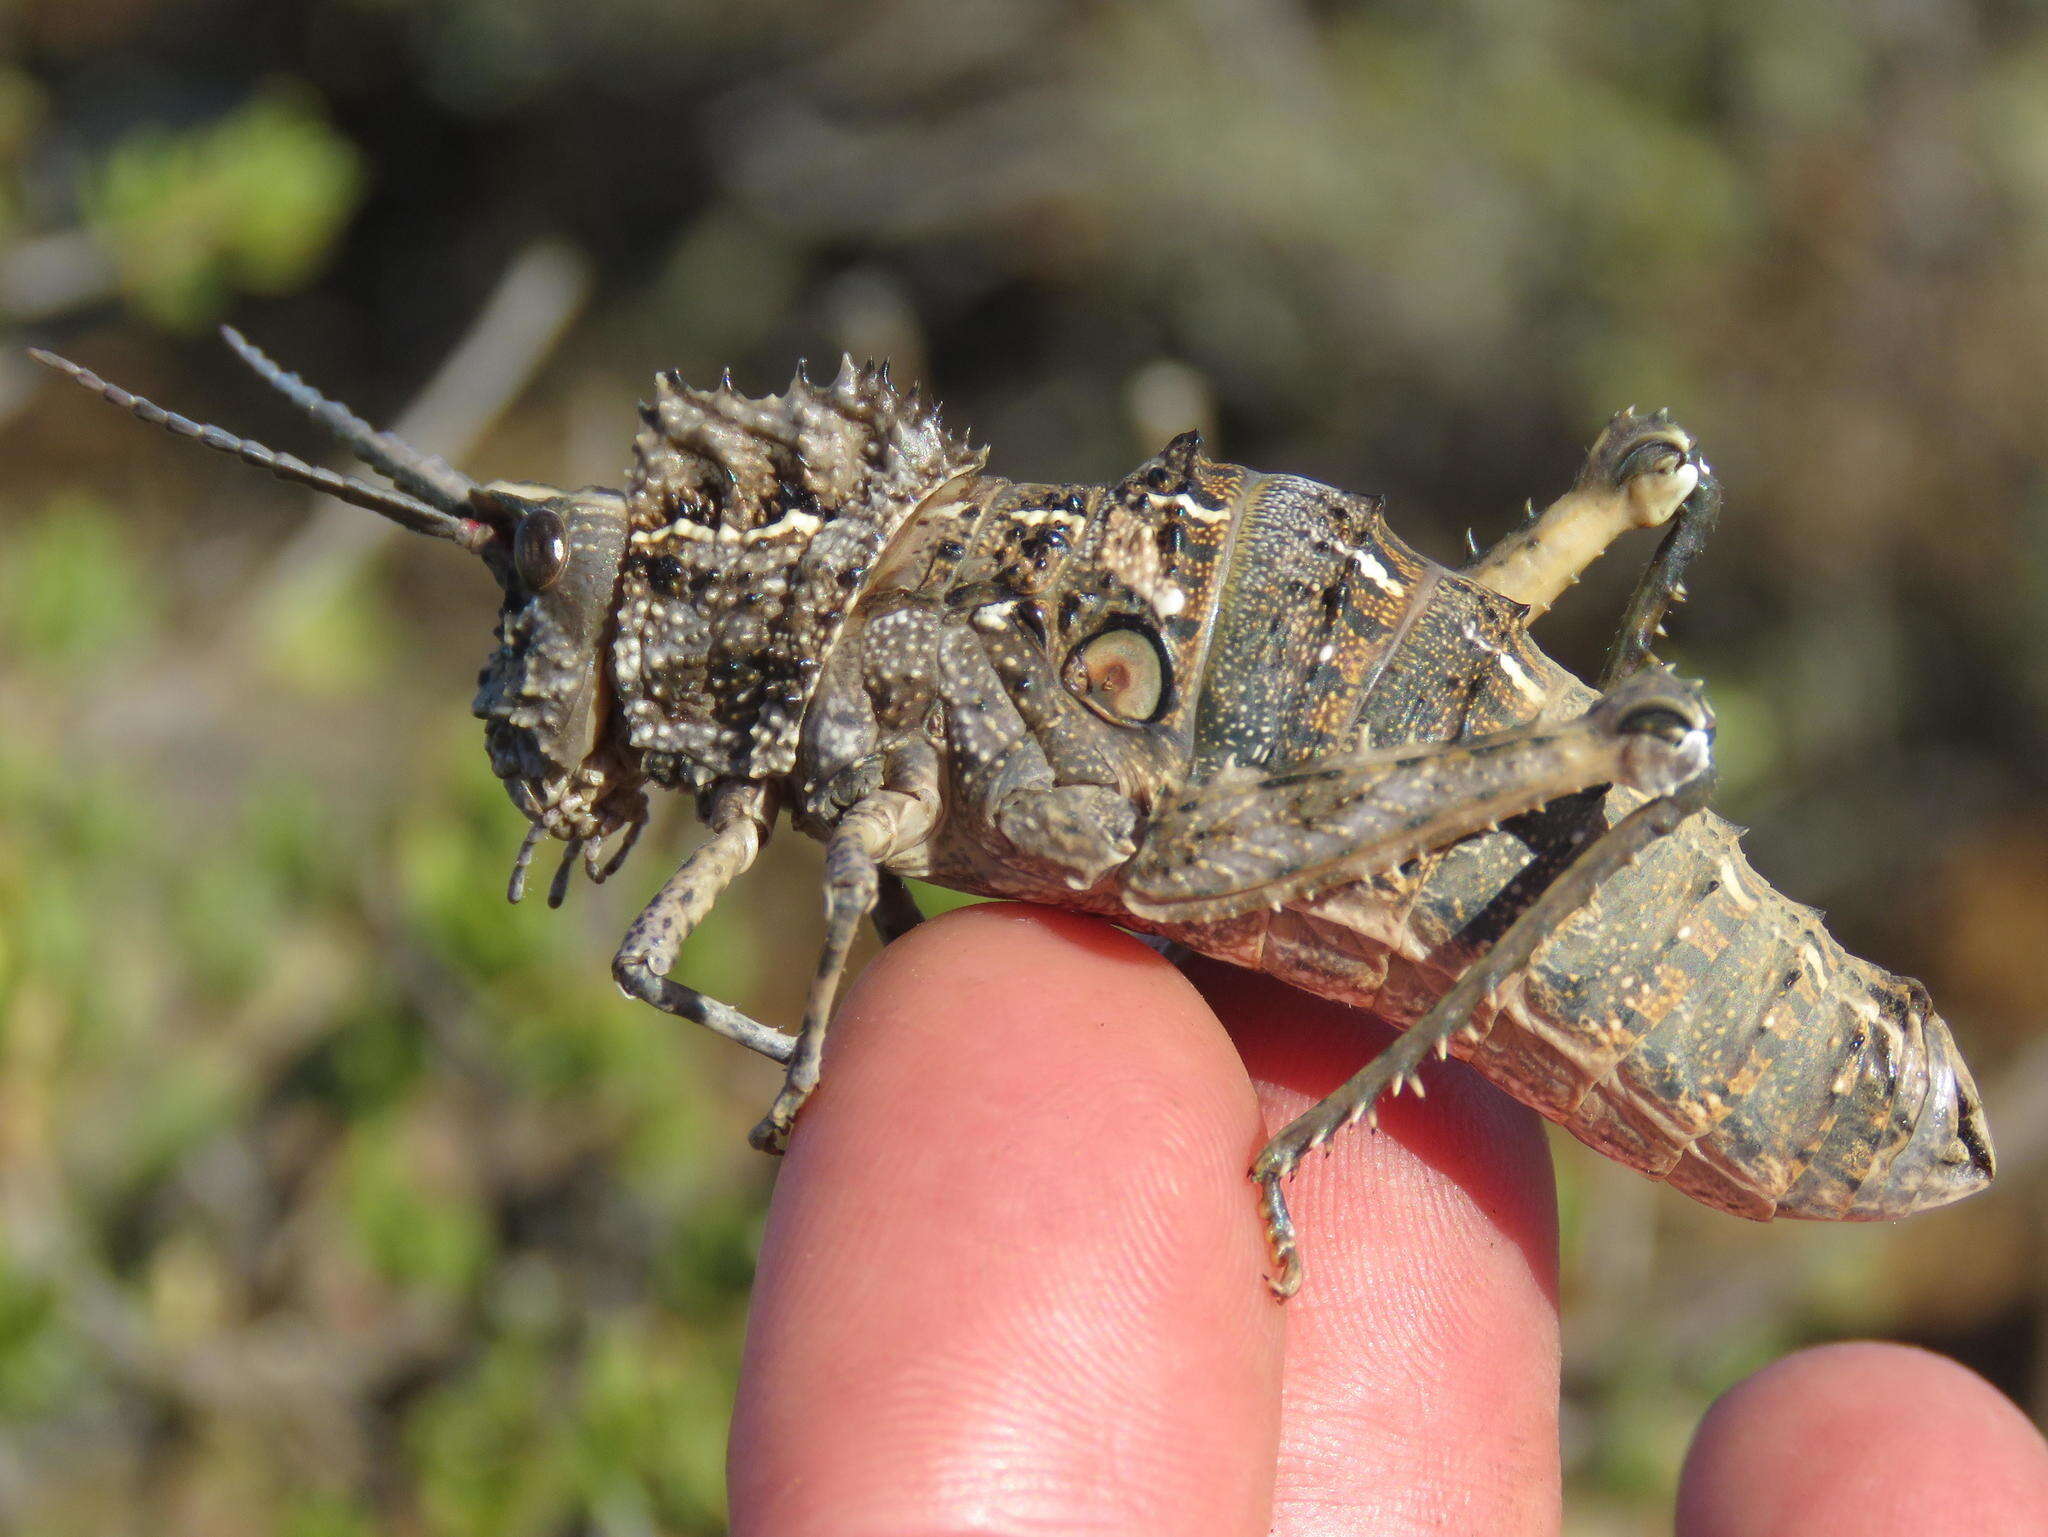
{"x": 53, "y": 275}
{"x": 521, "y": 323}
{"x": 2021, "y": 1098}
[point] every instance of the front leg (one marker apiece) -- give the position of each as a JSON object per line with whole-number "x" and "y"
{"x": 740, "y": 818}
{"x": 892, "y": 820}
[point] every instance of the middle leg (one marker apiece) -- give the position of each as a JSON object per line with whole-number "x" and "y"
{"x": 891, "y": 820}
{"x": 896, "y": 910}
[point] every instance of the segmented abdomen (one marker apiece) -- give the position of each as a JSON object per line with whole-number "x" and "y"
{"x": 1691, "y": 1023}
{"x": 1695, "y": 1024}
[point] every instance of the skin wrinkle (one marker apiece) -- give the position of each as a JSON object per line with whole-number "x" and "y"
{"x": 1023, "y": 1459}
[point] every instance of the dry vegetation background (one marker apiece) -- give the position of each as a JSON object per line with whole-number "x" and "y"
{"x": 338, "y": 1198}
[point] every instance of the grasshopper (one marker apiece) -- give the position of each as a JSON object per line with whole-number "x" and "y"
{"x": 1225, "y": 708}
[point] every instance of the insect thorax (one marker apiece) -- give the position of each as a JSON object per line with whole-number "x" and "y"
{"x": 754, "y": 527}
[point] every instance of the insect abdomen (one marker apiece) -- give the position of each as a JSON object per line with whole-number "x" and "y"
{"x": 1700, "y": 1027}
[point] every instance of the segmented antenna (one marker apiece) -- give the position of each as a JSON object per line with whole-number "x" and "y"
{"x": 427, "y": 476}
{"x": 407, "y": 511}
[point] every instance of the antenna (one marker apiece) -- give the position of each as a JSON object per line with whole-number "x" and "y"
{"x": 407, "y": 511}
{"x": 427, "y": 476}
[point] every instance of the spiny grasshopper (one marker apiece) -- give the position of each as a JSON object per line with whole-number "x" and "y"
{"x": 1222, "y": 707}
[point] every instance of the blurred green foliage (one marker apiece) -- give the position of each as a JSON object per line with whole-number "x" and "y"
{"x": 338, "y": 1197}
{"x": 247, "y": 204}
{"x": 73, "y": 594}
{"x": 201, "y": 1031}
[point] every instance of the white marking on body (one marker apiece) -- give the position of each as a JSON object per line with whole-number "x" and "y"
{"x": 1189, "y": 507}
{"x": 1171, "y": 601}
{"x": 1031, "y": 517}
{"x": 689, "y": 533}
{"x": 794, "y": 521}
{"x": 1378, "y": 574}
{"x": 1733, "y": 883}
{"x": 1519, "y": 677}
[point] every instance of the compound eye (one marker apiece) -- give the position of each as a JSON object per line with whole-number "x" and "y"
{"x": 1120, "y": 675}
{"x": 540, "y": 549}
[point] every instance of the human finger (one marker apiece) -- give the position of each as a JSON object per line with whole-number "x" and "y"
{"x": 1012, "y": 1274}
{"x": 1877, "y": 1439}
{"x": 1421, "y": 1378}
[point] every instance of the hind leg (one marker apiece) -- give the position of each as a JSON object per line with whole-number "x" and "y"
{"x": 1638, "y": 474}
{"x": 1397, "y": 1066}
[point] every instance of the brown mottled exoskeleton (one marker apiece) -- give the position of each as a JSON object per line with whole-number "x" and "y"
{"x": 1223, "y": 707}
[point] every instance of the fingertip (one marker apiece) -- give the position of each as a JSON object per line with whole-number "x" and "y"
{"x": 1013, "y": 1265}
{"x": 1879, "y": 1439}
